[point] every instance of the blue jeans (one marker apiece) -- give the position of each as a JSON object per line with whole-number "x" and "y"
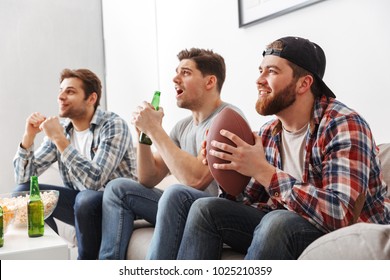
{"x": 81, "y": 209}
{"x": 279, "y": 234}
{"x": 124, "y": 201}
{"x": 173, "y": 209}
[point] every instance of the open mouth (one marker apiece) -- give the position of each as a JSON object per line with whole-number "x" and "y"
{"x": 179, "y": 92}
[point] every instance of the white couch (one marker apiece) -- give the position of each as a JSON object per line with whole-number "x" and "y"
{"x": 358, "y": 241}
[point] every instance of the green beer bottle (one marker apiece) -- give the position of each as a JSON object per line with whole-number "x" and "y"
{"x": 1, "y": 227}
{"x": 35, "y": 208}
{"x": 143, "y": 138}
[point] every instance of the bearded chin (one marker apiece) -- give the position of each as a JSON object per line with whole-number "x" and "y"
{"x": 280, "y": 101}
{"x": 261, "y": 107}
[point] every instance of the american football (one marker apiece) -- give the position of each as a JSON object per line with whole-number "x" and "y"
{"x": 230, "y": 181}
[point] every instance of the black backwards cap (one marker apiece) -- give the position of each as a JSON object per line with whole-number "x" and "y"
{"x": 305, "y": 54}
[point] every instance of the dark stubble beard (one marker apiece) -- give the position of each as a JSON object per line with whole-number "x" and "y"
{"x": 73, "y": 113}
{"x": 190, "y": 105}
{"x": 279, "y": 101}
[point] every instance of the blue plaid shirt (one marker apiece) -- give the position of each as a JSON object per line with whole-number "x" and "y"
{"x": 112, "y": 155}
{"x": 341, "y": 162}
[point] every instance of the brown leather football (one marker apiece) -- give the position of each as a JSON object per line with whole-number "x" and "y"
{"x": 230, "y": 181}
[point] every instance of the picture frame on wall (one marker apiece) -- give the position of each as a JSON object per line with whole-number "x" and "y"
{"x": 255, "y": 11}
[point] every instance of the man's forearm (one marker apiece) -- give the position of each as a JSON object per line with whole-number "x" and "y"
{"x": 27, "y": 141}
{"x": 62, "y": 143}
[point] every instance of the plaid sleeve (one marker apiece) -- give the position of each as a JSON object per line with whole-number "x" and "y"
{"x": 27, "y": 163}
{"x": 111, "y": 145}
{"x": 337, "y": 172}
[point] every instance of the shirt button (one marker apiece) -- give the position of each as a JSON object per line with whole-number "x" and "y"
{"x": 276, "y": 194}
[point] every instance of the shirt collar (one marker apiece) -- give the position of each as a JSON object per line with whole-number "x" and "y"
{"x": 320, "y": 105}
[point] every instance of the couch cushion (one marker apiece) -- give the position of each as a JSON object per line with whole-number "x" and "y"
{"x": 51, "y": 176}
{"x": 139, "y": 243}
{"x": 384, "y": 155}
{"x": 67, "y": 232}
{"x": 360, "y": 241}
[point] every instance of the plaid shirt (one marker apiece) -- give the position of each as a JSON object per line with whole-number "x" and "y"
{"x": 341, "y": 162}
{"x": 112, "y": 155}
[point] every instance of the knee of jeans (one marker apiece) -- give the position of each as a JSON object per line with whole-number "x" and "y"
{"x": 172, "y": 195}
{"x": 199, "y": 208}
{"x": 201, "y": 203}
{"x": 274, "y": 222}
{"x": 88, "y": 201}
{"x": 118, "y": 188}
{"x": 202, "y": 209}
{"x": 205, "y": 204}
{"x": 113, "y": 184}
{"x": 172, "y": 192}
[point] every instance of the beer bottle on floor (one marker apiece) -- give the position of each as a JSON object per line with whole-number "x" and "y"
{"x": 35, "y": 212}
{"x": 1, "y": 227}
{"x": 143, "y": 138}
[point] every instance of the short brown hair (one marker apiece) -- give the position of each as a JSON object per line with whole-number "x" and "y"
{"x": 91, "y": 82}
{"x": 208, "y": 63}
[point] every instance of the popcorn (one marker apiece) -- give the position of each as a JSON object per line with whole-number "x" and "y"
{"x": 19, "y": 203}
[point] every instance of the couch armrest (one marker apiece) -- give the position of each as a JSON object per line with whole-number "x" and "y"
{"x": 362, "y": 241}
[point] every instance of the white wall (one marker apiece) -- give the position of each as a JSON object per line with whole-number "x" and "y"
{"x": 131, "y": 54}
{"x": 39, "y": 38}
{"x": 353, "y": 33}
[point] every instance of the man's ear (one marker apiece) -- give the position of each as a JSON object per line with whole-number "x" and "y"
{"x": 211, "y": 81}
{"x": 92, "y": 99}
{"x": 304, "y": 83}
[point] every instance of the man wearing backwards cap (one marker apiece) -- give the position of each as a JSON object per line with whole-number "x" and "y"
{"x": 315, "y": 167}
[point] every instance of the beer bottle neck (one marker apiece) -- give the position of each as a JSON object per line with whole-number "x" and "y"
{"x": 34, "y": 189}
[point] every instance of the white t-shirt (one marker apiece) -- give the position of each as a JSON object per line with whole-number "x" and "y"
{"x": 293, "y": 151}
{"x": 82, "y": 142}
